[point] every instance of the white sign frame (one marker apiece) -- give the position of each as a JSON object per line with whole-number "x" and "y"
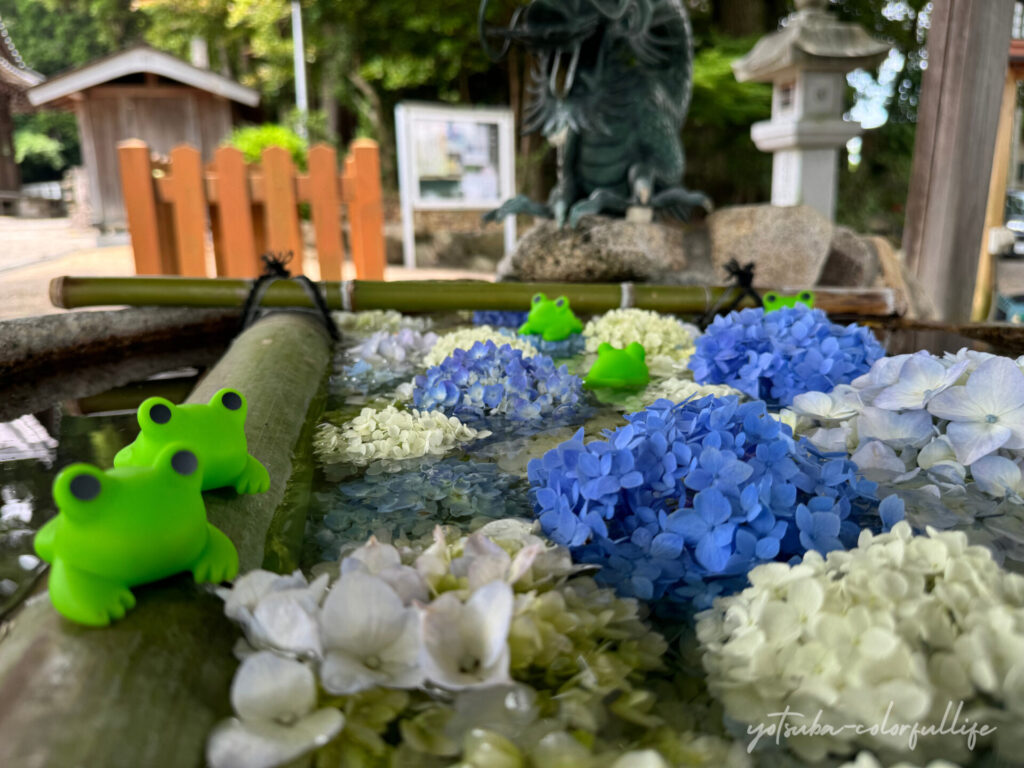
{"x": 406, "y": 115}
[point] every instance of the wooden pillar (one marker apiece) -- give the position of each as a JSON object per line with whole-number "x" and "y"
{"x": 995, "y": 212}
{"x": 956, "y": 131}
{"x": 10, "y": 176}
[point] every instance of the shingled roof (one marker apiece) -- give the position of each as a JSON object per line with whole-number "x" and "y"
{"x": 15, "y": 76}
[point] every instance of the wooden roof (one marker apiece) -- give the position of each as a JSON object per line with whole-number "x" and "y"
{"x": 15, "y": 76}
{"x": 140, "y": 59}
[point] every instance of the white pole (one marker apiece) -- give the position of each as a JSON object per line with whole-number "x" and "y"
{"x": 299, "y": 51}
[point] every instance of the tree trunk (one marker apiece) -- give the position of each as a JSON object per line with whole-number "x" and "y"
{"x": 381, "y": 124}
{"x": 742, "y": 18}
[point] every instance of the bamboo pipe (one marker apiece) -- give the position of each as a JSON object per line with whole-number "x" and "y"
{"x": 431, "y": 296}
{"x": 146, "y": 690}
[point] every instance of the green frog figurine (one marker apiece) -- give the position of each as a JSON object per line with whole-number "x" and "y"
{"x": 773, "y": 301}
{"x": 127, "y": 526}
{"x": 551, "y": 320}
{"x": 215, "y": 431}
{"x": 619, "y": 368}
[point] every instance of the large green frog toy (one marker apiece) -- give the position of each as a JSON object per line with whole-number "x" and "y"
{"x": 619, "y": 368}
{"x": 551, "y": 320}
{"x": 127, "y": 526}
{"x": 214, "y": 431}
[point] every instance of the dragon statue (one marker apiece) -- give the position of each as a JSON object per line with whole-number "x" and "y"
{"x": 610, "y": 91}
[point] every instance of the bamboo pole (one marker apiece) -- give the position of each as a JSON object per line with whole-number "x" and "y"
{"x": 147, "y": 690}
{"x": 432, "y": 296}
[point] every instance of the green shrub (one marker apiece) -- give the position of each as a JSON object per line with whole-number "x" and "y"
{"x": 253, "y": 139}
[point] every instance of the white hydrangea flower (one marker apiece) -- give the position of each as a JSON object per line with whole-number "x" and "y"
{"x": 465, "y": 645}
{"x": 371, "y": 320}
{"x": 385, "y": 562}
{"x": 465, "y": 338}
{"x": 894, "y": 629}
{"x": 661, "y": 335}
{"x": 277, "y": 612}
{"x": 371, "y": 638}
{"x": 390, "y": 433}
{"x": 273, "y": 698}
{"x": 677, "y": 390}
{"x": 385, "y": 349}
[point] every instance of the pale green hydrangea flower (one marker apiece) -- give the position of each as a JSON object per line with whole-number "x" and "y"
{"x": 900, "y": 629}
{"x": 667, "y": 341}
{"x": 391, "y": 434}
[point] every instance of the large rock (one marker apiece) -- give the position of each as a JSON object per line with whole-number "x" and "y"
{"x": 604, "y": 250}
{"x": 789, "y": 246}
{"x": 852, "y": 261}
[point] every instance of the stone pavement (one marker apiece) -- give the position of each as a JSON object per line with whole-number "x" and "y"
{"x": 34, "y": 251}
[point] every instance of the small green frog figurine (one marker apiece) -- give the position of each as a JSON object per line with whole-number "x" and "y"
{"x": 127, "y": 526}
{"x": 214, "y": 431}
{"x": 619, "y": 368}
{"x": 552, "y": 320}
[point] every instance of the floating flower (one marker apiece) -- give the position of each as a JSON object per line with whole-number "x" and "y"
{"x": 660, "y": 335}
{"x": 370, "y": 637}
{"x": 274, "y": 699}
{"x": 899, "y": 629}
{"x": 779, "y": 355}
{"x": 521, "y": 658}
{"x": 686, "y": 498}
{"x": 985, "y": 414}
{"x": 921, "y": 378}
{"x": 390, "y": 433}
{"x": 409, "y": 503}
{"x": 489, "y": 381}
{"x": 465, "y": 645}
{"x": 277, "y": 612}
{"x": 374, "y": 320}
{"x": 466, "y": 338}
{"x": 499, "y": 318}
{"x": 567, "y": 347}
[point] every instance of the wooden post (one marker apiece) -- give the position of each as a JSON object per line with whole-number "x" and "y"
{"x": 956, "y": 130}
{"x": 140, "y": 207}
{"x": 236, "y": 256}
{"x": 324, "y": 199}
{"x": 995, "y": 212}
{"x": 281, "y": 206}
{"x": 189, "y": 199}
{"x": 349, "y": 193}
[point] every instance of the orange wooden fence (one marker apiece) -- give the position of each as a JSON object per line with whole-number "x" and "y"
{"x": 251, "y": 210}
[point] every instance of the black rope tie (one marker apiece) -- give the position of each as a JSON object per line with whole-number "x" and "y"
{"x": 274, "y": 269}
{"x": 742, "y": 278}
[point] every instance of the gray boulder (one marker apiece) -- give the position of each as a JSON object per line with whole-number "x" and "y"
{"x": 789, "y": 245}
{"x": 852, "y": 261}
{"x": 600, "y": 250}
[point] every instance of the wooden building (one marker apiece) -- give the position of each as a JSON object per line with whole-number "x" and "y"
{"x": 146, "y": 94}
{"x": 15, "y": 80}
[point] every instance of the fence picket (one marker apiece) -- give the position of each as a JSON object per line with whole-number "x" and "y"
{"x": 323, "y": 197}
{"x": 280, "y": 207}
{"x": 189, "y": 210}
{"x": 236, "y": 254}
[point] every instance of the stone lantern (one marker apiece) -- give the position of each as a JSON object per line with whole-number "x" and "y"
{"x": 806, "y": 62}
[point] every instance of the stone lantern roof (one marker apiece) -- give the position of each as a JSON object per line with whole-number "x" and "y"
{"x": 812, "y": 39}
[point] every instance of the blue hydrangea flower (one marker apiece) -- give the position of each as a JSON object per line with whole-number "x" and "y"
{"x": 489, "y": 383}
{"x": 409, "y": 504}
{"x": 686, "y": 498}
{"x": 567, "y": 347}
{"x": 775, "y": 356}
{"x": 499, "y": 318}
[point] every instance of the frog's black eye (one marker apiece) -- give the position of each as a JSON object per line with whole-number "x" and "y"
{"x": 84, "y": 487}
{"x": 805, "y": 296}
{"x": 538, "y": 298}
{"x": 159, "y": 414}
{"x": 560, "y": 302}
{"x": 184, "y": 462}
{"x": 232, "y": 401}
{"x": 770, "y": 297}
